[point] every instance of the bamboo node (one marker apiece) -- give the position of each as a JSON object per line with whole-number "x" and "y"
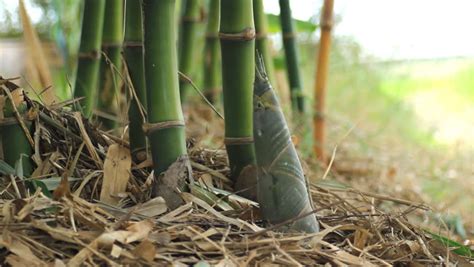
{"x": 129, "y": 44}
{"x": 149, "y": 128}
{"x": 212, "y": 36}
{"x": 261, "y": 35}
{"x": 191, "y": 19}
{"x": 248, "y": 34}
{"x": 289, "y": 35}
{"x": 319, "y": 116}
{"x": 11, "y": 121}
{"x": 326, "y": 25}
{"x": 89, "y": 55}
{"x": 231, "y": 141}
{"x": 111, "y": 45}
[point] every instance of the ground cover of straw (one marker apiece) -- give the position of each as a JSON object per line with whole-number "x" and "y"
{"x": 76, "y": 226}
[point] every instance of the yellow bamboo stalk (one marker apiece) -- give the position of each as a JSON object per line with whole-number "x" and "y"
{"x": 321, "y": 79}
{"x": 36, "y": 53}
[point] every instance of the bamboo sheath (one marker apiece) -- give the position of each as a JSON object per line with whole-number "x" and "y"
{"x": 281, "y": 191}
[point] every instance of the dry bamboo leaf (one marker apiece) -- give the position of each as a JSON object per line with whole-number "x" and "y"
{"x": 174, "y": 214}
{"x": 225, "y": 263}
{"x": 90, "y": 147}
{"x": 62, "y": 189}
{"x": 117, "y": 167}
{"x": 83, "y": 254}
{"x": 59, "y": 263}
{"x": 345, "y": 257}
{"x": 116, "y": 251}
{"x": 134, "y": 232}
{"x": 237, "y": 222}
{"x": 17, "y": 96}
{"x": 208, "y": 233}
{"x": 163, "y": 238}
{"x": 151, "y": 208}
{"x": 360, "y": 238}
{"x": 26, "y": 256}
{"x": 38, "y": 56}
{"x": 145, "y": 250}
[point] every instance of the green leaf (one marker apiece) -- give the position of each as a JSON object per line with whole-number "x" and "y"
{"x": 38, "y": 183}
{"x": 300, "y": 25}
{"x": 279, "y": 62}
{"x": 53, "y": 182}
{"x": 19, "y": 168}
{"x": 5, "y": 168}
{"x": 453, "y": 245}
{"x": 210, "y": 198}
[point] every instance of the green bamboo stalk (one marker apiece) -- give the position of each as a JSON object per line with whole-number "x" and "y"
{"x": 262, "y": 45}
{"x": 166, "y": 122}
{"x": 133, "y": 53}
{"x": 14, "y": 140}
{"x": 237, "y": 36}
{"x": 281, "y": 191}
{"x": 291, "y": 56}
{"x": 212, "y": 82}
{"x": 190, "y": 20}
{"x": 109, "y": 82}
{"x": 89, "y": 54}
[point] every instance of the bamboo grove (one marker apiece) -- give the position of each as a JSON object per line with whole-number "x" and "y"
{"x": 129, "y": 50}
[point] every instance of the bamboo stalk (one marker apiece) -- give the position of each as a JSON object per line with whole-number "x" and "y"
{"x": 38, "y": 57}
{"x": 212, "y": 82}
{"x": 109, "y": 82}
{"x": 291, "y": 56}
{"x": 321, "y": 79}
{"x": 89, "y": 54}
{"x": 282, "y": 191}
{"x": 166, "y": 123}
{"x": 262, "y": 44}
{"x": 190, "y": 20}
{"x": 15, "y": 143}
{"x": 237, "y": 37}
{"x": 133, "y": 53}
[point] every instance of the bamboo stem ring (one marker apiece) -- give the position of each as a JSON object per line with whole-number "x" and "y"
{"x": 248, "y": 34}
{"x": 89, "y": 55}
{"x": 149, "y": 128}
{"x": 10, "y": 121}
{"x": 130, "y": 44}
{"x": 229, "y": 141}
{"x": 289, "y": 35}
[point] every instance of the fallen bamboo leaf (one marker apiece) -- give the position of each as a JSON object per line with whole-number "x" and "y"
{"x": 151, "y": 208}
{"x": 117, "y": 165}
{"x": 24, "y": 253}
{"x": 145, "y": 250}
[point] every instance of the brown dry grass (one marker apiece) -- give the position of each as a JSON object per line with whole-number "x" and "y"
{"x": 76, "y": 227}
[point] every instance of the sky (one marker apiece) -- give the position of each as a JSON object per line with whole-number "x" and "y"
{"x": 387, "y": 29}
{"x": 399, "y": 29}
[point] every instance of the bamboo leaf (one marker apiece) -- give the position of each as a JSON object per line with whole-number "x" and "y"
{"x": 6, "y": 169}
{"x": 301, "y": 25}
{"x": 453, "y": 245}
{"x": 209, "y": 197}
{"x": 52, "y": 183}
